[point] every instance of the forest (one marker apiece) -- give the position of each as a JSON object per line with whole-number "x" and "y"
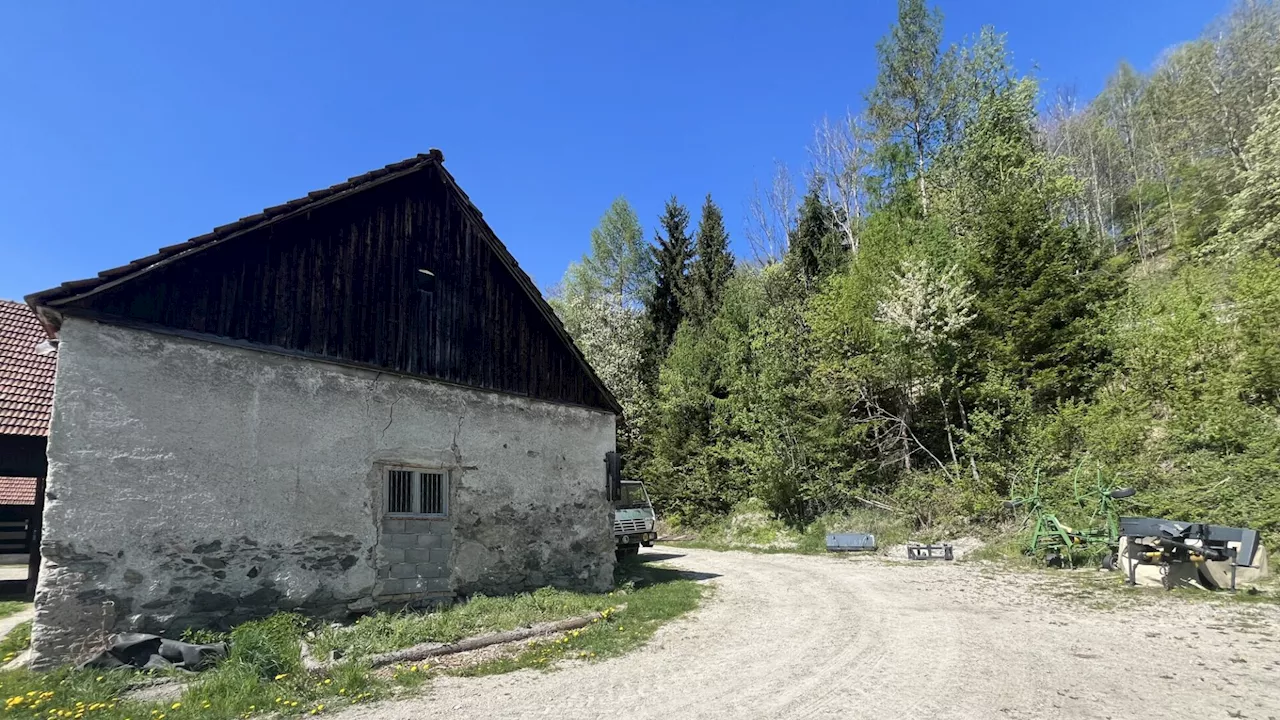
{"x": 977, "y": 283}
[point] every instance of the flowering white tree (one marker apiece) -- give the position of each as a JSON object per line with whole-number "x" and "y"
{"x": 925, "y": 311}
{"x": 927, "y": 307}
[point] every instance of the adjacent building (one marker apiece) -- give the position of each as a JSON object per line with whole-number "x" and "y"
{"x": 27, "y": 365}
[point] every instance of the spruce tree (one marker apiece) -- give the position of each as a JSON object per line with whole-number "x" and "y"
{"x": 815, "y": 250}
{"x": 671, "y": 265}
{"x": 712, "y": 267}
{"x": 665, "y": 307}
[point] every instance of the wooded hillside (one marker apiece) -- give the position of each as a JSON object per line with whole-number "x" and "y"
{"x": 981, "y": 281}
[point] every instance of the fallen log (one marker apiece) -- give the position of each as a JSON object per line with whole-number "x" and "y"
{"x": 430, "y": 650}
{"x": 876, "y": 504}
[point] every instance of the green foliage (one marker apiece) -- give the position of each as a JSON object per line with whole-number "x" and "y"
{"x": 665, "y": 308}
{"x": 272, "y": 646}
{"x": 911, "y": 102}
{"x": 815, "y": 249}
{"x": 620, "y": 264}
{"x": 712, "y": 265}
{"x": 1017, "y": 294}
{"x": 1252, "y": 220}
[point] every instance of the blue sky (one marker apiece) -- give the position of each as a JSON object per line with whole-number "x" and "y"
{"x": 128, "y": 126}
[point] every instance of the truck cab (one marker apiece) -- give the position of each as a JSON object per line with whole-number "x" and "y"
{"x": 633, "y": 519}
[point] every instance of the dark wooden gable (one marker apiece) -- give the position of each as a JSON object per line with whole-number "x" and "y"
{"x": 402, "y": 275}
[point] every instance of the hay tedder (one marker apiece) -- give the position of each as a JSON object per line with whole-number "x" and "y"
{"x": 1058, "y": 543}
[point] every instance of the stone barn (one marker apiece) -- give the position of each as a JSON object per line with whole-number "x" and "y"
{"x": 355, "y": 399}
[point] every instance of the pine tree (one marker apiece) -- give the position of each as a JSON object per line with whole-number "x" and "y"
{"x": 815, "y": 249}
{"x": 711, "y": 268}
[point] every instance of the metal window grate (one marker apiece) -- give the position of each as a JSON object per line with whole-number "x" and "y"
{"x": 400, "y": 491}
{"x": 417, "y": 492}
{"x": 432, "y": 493}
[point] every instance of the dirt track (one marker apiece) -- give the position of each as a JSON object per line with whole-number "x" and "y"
{"x": 788, "y": 636}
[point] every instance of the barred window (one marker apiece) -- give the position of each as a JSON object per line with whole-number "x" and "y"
{"x": 417, "y": 492}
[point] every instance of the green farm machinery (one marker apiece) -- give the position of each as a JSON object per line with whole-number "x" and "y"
{"x": 1059, "y": 543}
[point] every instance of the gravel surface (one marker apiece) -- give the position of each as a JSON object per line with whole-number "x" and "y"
{"x": 788, "y": 636}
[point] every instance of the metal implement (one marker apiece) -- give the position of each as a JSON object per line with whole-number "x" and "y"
{"x": 1056, "y": 541}
{"x": 851, "y": 542}
{"x": 1154, "y": 541}
{"x": 920, "y": 551}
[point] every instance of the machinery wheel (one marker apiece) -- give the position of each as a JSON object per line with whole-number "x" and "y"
{"x": 1053, "y": 560}
{"x": 1109, "y": 561}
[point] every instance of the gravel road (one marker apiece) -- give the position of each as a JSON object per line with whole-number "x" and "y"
{"x": 787, "y": 636}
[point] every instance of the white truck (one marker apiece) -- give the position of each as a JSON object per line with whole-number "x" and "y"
{"x": 633, "y": 519}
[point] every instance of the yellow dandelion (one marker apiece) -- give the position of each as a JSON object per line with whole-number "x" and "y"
{"x": 175, "y": 706}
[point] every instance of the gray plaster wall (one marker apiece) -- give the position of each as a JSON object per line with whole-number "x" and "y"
{"x": 198, "y": 484}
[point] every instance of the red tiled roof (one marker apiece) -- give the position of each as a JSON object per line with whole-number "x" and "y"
{"x": 26, "y": 378}
{"x": 17, "y": 491}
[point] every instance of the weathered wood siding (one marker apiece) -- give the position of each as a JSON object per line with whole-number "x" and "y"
{"x": 343, "y": 282}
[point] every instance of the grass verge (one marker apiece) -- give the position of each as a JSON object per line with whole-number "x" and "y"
{"x": 18, "y": 639}
{"x": 392, "y": 631}
{"x": 264, "y": 675}
{"x": 654, "y": 596}
{"x": 12, "y": 607}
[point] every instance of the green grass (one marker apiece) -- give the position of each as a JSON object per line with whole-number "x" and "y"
{"x": 264, "y": 676}
{"x": 242, "y": 686}
{"x": 18, "y": 639}
{"x": 12, "y": 607}
{"x": 654, "y": 596}
{"x": 392, "y": 631}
